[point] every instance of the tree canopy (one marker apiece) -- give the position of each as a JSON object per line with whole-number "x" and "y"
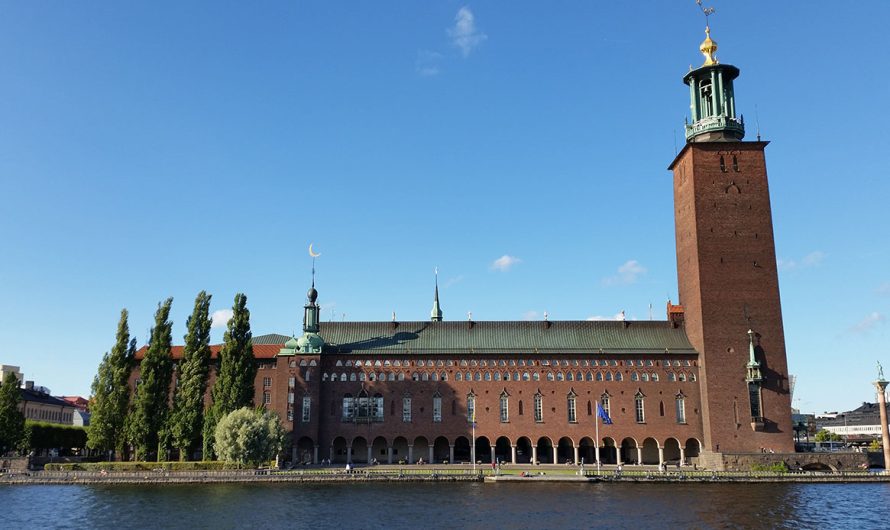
{"x": 111, "y": 392}
{"x": 249, "y": 436}
{"x": 187, "y": 418}
{"x": 150, "y": 408}
{"x": 12, "y": 421}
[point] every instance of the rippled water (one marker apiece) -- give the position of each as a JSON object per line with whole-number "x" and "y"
{"x": 449, "y": 505}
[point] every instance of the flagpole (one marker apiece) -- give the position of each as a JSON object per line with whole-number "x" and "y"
{"x": 597, "y": 438}
{"x": 473, "y": 448}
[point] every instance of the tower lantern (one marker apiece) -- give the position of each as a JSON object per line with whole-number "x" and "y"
{"x": 712, "y": 99}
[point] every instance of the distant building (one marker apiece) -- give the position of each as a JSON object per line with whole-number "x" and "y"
{"x": 6, "y": 368}
{"x": 862, "y": 424}
{"x": 38, "y": 405}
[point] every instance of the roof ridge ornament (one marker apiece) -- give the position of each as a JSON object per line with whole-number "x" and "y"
{"x": 708, "y": 47}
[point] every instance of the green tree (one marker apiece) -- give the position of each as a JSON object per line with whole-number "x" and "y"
{"x": 249, "y": 436}
{"x": 236, "y": 371}
{"x": 111, "y": 392}
{"x": 187, "y": 419}
{"x": 827, "y": 436}
{"x": 151, "y": 403}
{"x": 12, "y": 421}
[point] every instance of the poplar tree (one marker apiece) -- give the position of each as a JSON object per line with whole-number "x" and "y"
{"x": 151, "y": 403}
{"x": 111, "y": 392}
{"x": 187, "y": 419}
{"x": 236, "y": 372}
{"x": 12, "y": 421}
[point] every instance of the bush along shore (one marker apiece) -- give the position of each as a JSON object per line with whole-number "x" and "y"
{"x": 221, "y": 472}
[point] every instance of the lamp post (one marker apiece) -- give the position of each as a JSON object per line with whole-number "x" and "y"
{"x": 881, "y": 386}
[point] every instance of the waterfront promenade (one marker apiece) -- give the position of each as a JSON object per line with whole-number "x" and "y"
{"x": 450, "y": 473}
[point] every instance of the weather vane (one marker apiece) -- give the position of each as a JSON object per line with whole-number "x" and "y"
{"x": 708, "y": 11}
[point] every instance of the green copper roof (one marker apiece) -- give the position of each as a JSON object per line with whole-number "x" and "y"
{"x": 632, "y": 337}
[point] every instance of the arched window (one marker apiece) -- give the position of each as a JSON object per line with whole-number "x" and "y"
{"x": 458, "y": 377}
{"x": 560, "y": 376}
{"x": 401, "y": 376}
{"x": 672, "y": 376}
{"x": 634, "y": 376}
{"x": 639, "y": 408}
{"x": 437, "y": 407}
{"x": 692, "y": 377}
{"x": 608, "y": 376}
{"x": 425, "y": 376}
{"x": 352, "y": 376}
{"x": 497, "y": 376}
{"x": 520, "y": 407}
{"x": 505, "y": 407}
{"x": 536, "y": 376}
{"x": 570, "y": 376}
{"x": 661, "y": 408}
{"x": 599, "y": 376}
{"x": 654, "y": 377}
{"x": 572, "y": 399}
{"x": 680, "y": 407}
{"x": 488, "y": 376}
{"x": 550, "y": 376}
{"x": 606, "y": 403}
{"x": 682, "y": 376}
{"x": 618, "y": 376}
{"x": 645, "y": 376}
{"x": 391, "y": 376}
{"x": 443, "y": 376}
{"x": 526, "y": 376}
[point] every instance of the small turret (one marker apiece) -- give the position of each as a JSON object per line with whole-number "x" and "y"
{"x": 712, "y": 99}
{"x": 436, "y": 313}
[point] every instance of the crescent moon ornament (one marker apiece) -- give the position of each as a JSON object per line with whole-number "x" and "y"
{"x": 313, "y": 253}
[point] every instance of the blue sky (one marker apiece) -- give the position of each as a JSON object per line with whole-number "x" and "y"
{"x": 154, "y": 149}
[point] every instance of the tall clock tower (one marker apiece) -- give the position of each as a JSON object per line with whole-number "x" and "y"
{"x": 726, "y": 266}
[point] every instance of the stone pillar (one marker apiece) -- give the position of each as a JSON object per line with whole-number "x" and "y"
{"x": 431, "y": 455}
{"x": 555, "y": 454}
{"x": 881, "y": 386}
{"x": 682, "y": 456}
{"x": 512, "y": 454}
{"x": 660, "y": 455}
{"x": 411, "y": 454}
{"x": 370, "y": 453}
{"x": 389, "y": 455}
{"x": 450, "y": 454}
{"x": 349, "y": 454}
{"x": 577, "y": 459}
{"x": 639, "y": 455}
{"x": 331, "y": 454}
{"x": 493, "y": 456}
{"x": 534, "y": 454}
{"x": 293, "y": 457}
{"x": 619, "y": 457}
{"x": 315, "y": 455}
{"x": 597, "y": 450}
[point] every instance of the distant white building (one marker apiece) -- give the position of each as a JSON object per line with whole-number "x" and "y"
{"x": 858, "y": 424}
{"x": 6, "y": 368}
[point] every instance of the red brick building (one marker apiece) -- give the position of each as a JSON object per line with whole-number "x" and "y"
{"x": 712, "y": 377}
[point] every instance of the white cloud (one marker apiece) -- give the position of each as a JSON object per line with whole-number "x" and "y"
{"x": 812, "y": 259}
{"x": 504, "y": 263}
{"x": 453, "y": 281}
{"x": 220, "y": 318}
{"x": 872, "y": 320}
{"x": 530, "y": 315}
{"x": 427, "y": 63}
{"x": 628, "y": 273}
{"x": 617, "y": 316}
{"x": 464, "y": 34}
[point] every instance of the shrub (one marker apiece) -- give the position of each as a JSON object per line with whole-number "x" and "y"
{"x": 776, "y": 467}
{"x": 248, "y": 437}
{"x": 142, "y": 466}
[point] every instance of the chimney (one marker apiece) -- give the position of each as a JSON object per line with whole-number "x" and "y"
{"x": 29, "y": 385}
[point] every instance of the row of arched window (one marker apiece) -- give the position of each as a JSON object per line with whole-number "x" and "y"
{"x": 494, "y": 363}
{"x": 505, "y": 376}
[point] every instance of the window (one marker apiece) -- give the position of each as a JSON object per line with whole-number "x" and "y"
{"x": 458, "y": 376}
{"x": 290, "y": 414}
{"x": 634, "y": 376}
{"x": 267, "y": 382}
{"x": 536, "y": 376}
{"x": 290, "y": 398}
{"x": 406, "y": 409}
{"x": 471, "y": 408}
{"x": 539, "y": 408}
{"x": 608, "y": 376}
{"x": 654, "y": 377}
{"x": 307, "y": 409}
{"x": 377, "y": 407}
{"x": 672, "y": 376}
{"x": 348, "y": 407}
{"x": 505, "y": 404}
{"x": 618, "y": 376}
{"x": 754, "y": 397}
{"x": 308, "y": 375}
{"x": 267, "y": 398}
{"x": 437, "y": 408}
{"x": 645, "y": 376}
{"x": 599, "y": 376}
{"x": 680, "y": 406}
{"x": 639, "y": 408}
{"x": 573, "y": 414}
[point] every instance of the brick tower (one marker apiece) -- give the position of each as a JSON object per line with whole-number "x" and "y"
{"x": 726, "y": 267}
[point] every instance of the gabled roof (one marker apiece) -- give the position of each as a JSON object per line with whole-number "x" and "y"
{"x": 521, "y": 337}
{"x": 34, "y": 396}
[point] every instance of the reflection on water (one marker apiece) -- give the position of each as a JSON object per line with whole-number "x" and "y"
{"x": 474, "y": 505}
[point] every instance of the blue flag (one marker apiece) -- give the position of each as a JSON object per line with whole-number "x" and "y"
{"x": 601, "y": 412}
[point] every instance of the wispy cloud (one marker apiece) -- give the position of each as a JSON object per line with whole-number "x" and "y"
{"x": 884, "y": 289}
{"x": 427, "y": 63}
{"x": 504, "y": 263}
{"x": 464, "y": 34}
{"x": 868, "y": 323}
{"x": 812, "y": 259}
{"x": 453, "y": 281}
{"x": 220, "y": 318}
{"x": 617, "y": 316}
{"x": 530, "y": 315}
{"x": 628, "y": 273}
